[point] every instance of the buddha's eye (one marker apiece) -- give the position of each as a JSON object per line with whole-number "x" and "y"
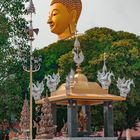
{"x": 54, "y": 14}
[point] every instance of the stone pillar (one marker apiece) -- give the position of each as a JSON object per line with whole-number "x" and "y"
{"x": 54, "y": 113}
{"x": 108, "y": 119}
{"x": 72, "y": 118}
{"x": 88, "y": 113}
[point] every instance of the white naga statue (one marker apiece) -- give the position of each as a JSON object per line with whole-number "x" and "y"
{"x": 124, "y": 86}
{"x": 104, "y": 77}
{"x": 37, "y": 89}
{"x": 52, "y": 81}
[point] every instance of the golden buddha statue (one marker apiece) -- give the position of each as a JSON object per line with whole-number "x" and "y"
{"x": 63, "y": 17}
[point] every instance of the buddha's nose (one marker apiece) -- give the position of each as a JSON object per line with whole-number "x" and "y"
{"x": 49, "y": 21}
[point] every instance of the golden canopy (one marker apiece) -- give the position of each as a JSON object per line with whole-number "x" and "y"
{"x": 84, "y": 92}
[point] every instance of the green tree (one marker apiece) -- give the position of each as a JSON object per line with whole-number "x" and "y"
{"x": 12, "y": 35}
{"x": 11, "y": 100}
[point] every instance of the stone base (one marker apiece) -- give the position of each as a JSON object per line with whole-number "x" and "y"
{"x": 20, "y": 138}
{"x": 44, "y": 136}
{"x": 87, "y": 138}
{"x": 83, "y": 134}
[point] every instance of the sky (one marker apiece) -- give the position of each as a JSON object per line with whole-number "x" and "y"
{"x": 119, "y": 15}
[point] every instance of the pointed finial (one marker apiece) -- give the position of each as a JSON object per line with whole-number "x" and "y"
{"x": 31, "y": 8}
{"x": 76, "y": 43}
{"x": 104, "y": 56}
{"x": 104, "y": 66}
{"x": 78, "y": 54}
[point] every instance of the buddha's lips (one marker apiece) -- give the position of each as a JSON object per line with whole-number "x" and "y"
{"x": 51, "y": 26}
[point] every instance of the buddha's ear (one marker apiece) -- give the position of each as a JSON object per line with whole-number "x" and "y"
{"x": 74, "y": 16}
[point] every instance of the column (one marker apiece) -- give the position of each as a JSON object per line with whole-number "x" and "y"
{"x": 108, "y": 119}
{"x": 54, "y": 113}
{"x": 72, "y": 118}
{"x": 88, "y": 113}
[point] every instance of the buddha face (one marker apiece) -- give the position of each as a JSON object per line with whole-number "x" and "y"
{"x": 60, "y": 20}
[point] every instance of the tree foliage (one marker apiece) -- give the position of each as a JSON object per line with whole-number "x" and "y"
{"x": 11, "y": 100}
{"x": 12, "y": 35}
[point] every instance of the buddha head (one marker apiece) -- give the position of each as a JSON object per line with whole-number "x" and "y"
{"x": 63, "y": 17}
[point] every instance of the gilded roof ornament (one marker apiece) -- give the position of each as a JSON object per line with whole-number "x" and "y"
{"x": 104, "y": 77}
{"x": 124, "y": 86}
{"x": 37, "y": 89}
{"x": 78, "y": 54}
{"x": 52, "y": 81}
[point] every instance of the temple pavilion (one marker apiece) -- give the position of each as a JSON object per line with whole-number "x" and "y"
{"x": 78, "y": 91}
